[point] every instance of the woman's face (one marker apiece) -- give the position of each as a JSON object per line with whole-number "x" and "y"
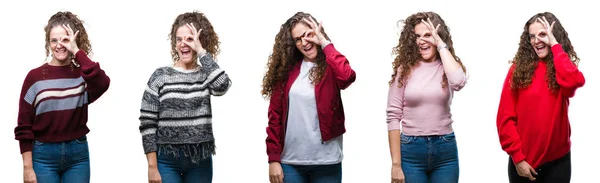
{"x": 428, "y": 51}
{"x": 541, "y": 49}
{"x": 308, "y": 49}
{"x": 57, "y": 35}
{"x": 186, "y": 54}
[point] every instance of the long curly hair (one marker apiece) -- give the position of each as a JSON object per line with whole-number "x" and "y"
{"x": 525, "y": 60}
{"x": 208, "y": 37}
{"x": 407, "y": 51}
{"x": 68, "y": 18}
{"x": 285, "y": 55}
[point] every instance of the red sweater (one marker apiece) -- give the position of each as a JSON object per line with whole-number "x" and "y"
{"x": 533, "y": 123}
{"x": 54, "y": 101}
{"x": 338, "y": 75}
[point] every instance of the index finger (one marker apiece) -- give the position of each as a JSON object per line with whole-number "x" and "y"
{"x": 310, "y": 23}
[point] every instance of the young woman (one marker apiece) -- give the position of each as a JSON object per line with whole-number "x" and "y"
{"x": 426, "y": 74}
{"x": 175, "y": 117}
{"x": 537, "y": 88}
{"x": 53, "y": 106}
{"x": 306, "y": 118}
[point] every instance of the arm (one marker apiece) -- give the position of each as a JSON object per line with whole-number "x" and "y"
{"x": 339, "y": 65}
{"x": 151, "y": 157}
{"x": 567, "y": 75}
{"x": 395, "y": 104}
{"x": 456, "y": 76}
{"x": 24, "y": 130}
{"x": 395, "y": 110}
{"x": 218, "y": 80}
{"x": 506, "y": 122}
{"x": 274, "y": 147}
{"x": 96, "y": 79}
{"x": 149, "y": 113}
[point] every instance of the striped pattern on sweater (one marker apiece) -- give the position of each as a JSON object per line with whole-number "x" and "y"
{"x": 176, "y": 110}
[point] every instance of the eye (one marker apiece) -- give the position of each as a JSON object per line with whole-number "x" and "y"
{"x": 189, "y": 39}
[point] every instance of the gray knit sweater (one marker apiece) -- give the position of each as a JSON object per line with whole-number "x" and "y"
{"x": 176, "y": 111}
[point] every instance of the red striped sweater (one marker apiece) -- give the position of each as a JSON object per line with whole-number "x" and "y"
{"x": 54, "y": 100}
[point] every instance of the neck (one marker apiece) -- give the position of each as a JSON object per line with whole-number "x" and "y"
{"x": 430, "y": 60}
{"x": 314, "y": 60}
{"x": 55, "y": 62}
{"x": 188, "y": 66}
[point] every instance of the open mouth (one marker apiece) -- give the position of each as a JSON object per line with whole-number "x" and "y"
{"x": 540, "y": 47}
{"x": 61, "y": 51}
{"x": 186, "y": 52}
{"x": 308, "y": 47}
{"x": 425, "y": 48}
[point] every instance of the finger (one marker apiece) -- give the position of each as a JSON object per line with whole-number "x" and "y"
{"x": 75, "y": 35}
{"x": 320, "y": 26}
{"x": 427, "y": 40}
{"x": 191, "y": 28}
{"x": 552, "y": 26}
{"x": 426, "y": 24}
{"x": 437, "y": 27}
{"x": 194, "y": 30}
{"x": 532, "y": 171}
{"x": 546, "y": 21}
{"x": 66, "y": 29}
{"x": 310, "y": 24}
{"x": 541, "y": 22}
{"x": 70, "y": 29}
{"x": 280, "y": 177}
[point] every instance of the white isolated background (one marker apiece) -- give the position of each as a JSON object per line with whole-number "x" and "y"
{"x": 129, "y": 39}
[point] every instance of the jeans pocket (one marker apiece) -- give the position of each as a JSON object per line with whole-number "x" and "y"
{"x": 449, "y": 137}
{"x": 406, "y": 139}
{"x": 81, "y": 140}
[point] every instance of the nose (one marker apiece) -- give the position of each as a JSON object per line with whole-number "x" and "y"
{"x": 304, "y": 42}
{"x": 59, "y": 46}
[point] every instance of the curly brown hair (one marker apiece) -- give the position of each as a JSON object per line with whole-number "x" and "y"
{"x": 208, "y": 36}
{"x": 407, "y": 51}
{"x": 525, "y": 60}
{"x": 68, "y": 18}
{"x": 285, "y": 55}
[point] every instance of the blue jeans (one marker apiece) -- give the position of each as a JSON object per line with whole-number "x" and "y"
{"x": 181, "y": 169}
{"x": 429, "y": 159}
{"x": 66, "y": 162}
{"x": 312, "y": 173}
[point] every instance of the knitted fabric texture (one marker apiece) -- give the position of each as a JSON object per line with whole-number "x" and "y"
{"x": 175, "y": 114}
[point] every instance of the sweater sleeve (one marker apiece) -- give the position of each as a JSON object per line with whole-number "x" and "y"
{"x": 218, "y": 80}
{"x": 457, "y": 79}
{"x": 567, "y": 75}
{"x": 274, "y": 133}
{"x": 24, "y": 132}
{"x": 340, "y": 66}
{"x": 395, "y": 104}
{"x": 149, "y": 113}
{"x": 96, "y": 79}
{"x": 506, "y": 122}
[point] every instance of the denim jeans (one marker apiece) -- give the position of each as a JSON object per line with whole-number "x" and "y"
{"x": 429, "y": 159}
{"x": 312, "y": 173}
{"x": 66, "y": 162}
{"x": 181, "y": 169}
{"x": 557, "y": 171}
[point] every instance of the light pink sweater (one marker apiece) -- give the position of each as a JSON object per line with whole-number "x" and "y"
{"x": 422, "y": 106}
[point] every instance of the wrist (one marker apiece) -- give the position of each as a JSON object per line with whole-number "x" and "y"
{"x": 324, "y": 43}
{"x": 396, "y": 164}
{"x": 201, "y": 52}
{"x": 27, "y": 166}
{"x": 152, "y": 166}
{"x": 441, "y": 46}
{"x": 552, "y": 43}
